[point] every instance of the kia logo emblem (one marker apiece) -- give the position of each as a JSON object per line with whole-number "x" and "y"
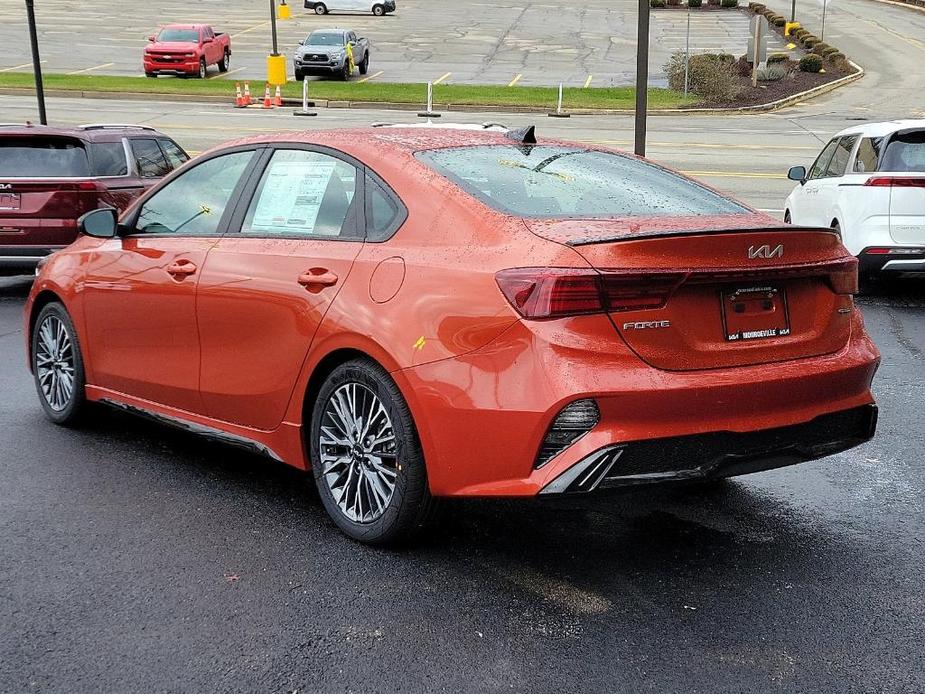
{"x": 766, "y": 251}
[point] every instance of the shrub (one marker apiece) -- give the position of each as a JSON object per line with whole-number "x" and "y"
{"x": 821, "y": 46}
{"x": 830, "y": 51}
{"x": 694, "y": 3}
{"x": 771, "y": 73}
{"x": 743, "y": 67}
{"x": 779, "y": 21}
{"x": 674, "y": 3}
{"x": 712, "y": 77}
{"x": 799, "y": 35}
{"x": 811, "y": 63}
{"x": 756, "y": 7}
{"x": 810, "y": 41}
{"x": 778, "y": 58}
{"x": 772, "y": 17}
{"x": 656, "y": 3}
{"x": 729, "y": 3}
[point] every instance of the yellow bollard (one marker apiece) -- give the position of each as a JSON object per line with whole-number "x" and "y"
{"x": 276, "y": 69}
{"x": 790, "y": 27}
{"x": 283, "y": 11}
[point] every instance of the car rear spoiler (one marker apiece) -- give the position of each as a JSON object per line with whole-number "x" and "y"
{"x": 663, "y": 233}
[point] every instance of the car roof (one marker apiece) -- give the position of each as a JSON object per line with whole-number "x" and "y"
{"x": 328, "y": 31}
{"x": 883, "y": 128}
{"x": 92, "y": 132}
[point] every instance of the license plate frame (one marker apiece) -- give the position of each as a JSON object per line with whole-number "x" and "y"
{"x": 755, "y": 312}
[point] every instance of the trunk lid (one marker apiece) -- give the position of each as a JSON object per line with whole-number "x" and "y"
{"x": 717, "y": 292}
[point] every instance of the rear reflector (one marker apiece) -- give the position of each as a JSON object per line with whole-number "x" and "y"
{"x": 573, "y": 422}
{"x": 895, "y": 181}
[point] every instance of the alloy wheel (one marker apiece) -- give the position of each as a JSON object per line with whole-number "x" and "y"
{"x": 54, "y": 363}
{"x": 359, "y": 452}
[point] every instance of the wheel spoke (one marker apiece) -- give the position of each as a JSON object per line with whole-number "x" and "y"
{"x": 361, "y": 475}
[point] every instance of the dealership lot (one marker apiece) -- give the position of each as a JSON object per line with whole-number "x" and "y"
{"x": 526, "y": 43}
{"x": 134, "y": 557}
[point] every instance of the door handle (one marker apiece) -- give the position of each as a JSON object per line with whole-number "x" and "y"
{"x": 317, "y": 277}
{"x": 181, "y": 268}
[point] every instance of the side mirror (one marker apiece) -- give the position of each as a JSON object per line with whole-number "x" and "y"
{"x": 797, "y": 173}
{"x": 101, "y": 223}
{"x": 152, "y": 38}
{"x": 302, "y": 42}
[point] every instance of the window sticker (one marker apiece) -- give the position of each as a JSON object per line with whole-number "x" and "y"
{"x": 292, "y": 195}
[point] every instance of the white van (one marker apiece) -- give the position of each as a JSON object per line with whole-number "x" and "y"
{"x": 377, "y": 7}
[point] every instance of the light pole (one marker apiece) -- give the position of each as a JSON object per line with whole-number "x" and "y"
{"x": 793, "y": 11}
{"x": 36, "y": 62}
{"x": 276, "y": 63}
{"x": 825, "y": 5}
{"x": 642, "y": 76}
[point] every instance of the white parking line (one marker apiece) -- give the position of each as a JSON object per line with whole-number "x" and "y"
{"x": 225, "y": 74}
{"x": 588, "y": 81}
{"x": 442, "y": 77}
{"x": 89, "y": 69}
{"x": 19, "y": 67}
{"x": 515, "y": 80}
{"x": 370, "y": 77}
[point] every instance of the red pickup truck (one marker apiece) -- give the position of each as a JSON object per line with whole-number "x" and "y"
{"x": 186, "y": 49}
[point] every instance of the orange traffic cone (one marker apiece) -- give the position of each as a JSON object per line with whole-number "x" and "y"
{"x": 278, "y": 99}
{"x": 238, "y": 96}
{"x": 267, "y": 102}
{"x": 248, "y": 99}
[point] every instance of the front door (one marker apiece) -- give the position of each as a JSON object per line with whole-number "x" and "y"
{"x": 266, "y": 289}
{"x": 140, "y": 289}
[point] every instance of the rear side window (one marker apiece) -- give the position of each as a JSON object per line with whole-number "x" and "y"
{"x": 383, "y": 213}
{"x": 108, "y": 159}
{"x": 868, "y": 155}
{"x": 45, "y": 157}
{"x": 548, "y": 181}
{"x": 149, "y": 159}
{"x": 905, "y": 152}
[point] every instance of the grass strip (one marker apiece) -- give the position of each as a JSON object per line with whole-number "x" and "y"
{"x": 372, "y": 91}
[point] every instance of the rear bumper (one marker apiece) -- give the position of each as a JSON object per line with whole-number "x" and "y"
{"x": 23, "y": 258}
{"x": 898, "y": 259}
{"x": 716, "y": 454}
{"x": 482, "y": 417}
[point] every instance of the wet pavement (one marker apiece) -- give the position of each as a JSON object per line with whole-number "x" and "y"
{"x": 137, "y": 558}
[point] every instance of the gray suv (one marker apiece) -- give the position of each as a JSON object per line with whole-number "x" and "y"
{"x": 324, "y": 53}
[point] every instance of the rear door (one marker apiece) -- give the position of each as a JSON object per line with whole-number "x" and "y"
{"x": 905, "y": 156}
{"x": 807, "y": 207}
{"x": 266, "y": 288}
{"x": 139, "y": 292}
{"x": 150, "y": 162}
{"x": 829, "y": 185}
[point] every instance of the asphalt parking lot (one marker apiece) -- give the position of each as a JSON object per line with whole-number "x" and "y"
{"x": 455, "y": 41}
{"x": 135, "y": 558}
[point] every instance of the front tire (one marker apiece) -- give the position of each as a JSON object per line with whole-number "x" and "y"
{"x": 787, "y": 219}
{"x": 321, "y": 9}
{"x": 364, "y": 66}
{"x": 366, "y": 457}
{"x": 57, "y": 366}
{"x": 299, "y": 75}
{"x": 202, "y": 69}
{"x": 378, "y": 10}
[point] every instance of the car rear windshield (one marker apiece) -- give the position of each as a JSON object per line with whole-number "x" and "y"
{"x": 905, "y": 152}
{"x": 179, "y": 35}
{"x": 325, "y": 39}
{"x": 30, "y": 157}
{"x": 553, "y": 181}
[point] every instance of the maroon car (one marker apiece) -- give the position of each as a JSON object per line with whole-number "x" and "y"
{"x": 50, "y": 176}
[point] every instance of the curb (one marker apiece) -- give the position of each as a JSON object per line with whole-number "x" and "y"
{"x": 467, "y": 108}
{"x": 900, "y": 3}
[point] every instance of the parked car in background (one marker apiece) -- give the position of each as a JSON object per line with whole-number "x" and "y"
{"x": 186, "y": 49}
{"x": 51, "y": 176}
{"x": 418, "y": 313}
{"x": 324, "y": 53}
{"x": 868, "y": 183}
{"x": 377, "y": 7}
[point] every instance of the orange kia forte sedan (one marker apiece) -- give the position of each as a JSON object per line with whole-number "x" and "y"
{"x": 423, "y": 312}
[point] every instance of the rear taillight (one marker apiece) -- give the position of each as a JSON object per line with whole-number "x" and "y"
{"x": 89, "y": 192}
{"x": 895, "y": 182}
{"x": 843, "y": 276}
{"x": 556, "y": 292}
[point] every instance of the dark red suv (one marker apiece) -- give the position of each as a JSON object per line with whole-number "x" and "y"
{"x": 50, "y": 176}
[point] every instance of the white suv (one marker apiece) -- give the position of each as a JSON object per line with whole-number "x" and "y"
{"x": 869, "y": 184}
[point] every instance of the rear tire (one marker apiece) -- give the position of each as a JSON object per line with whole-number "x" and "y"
{"x": 371, "y": 477}
{"x": 364, "y": 66}
{"x": 321, "y": 9}
{"x": 224, "y": 62}
{"x": 57, "y": 366}
{"x": 378, "y": 10}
